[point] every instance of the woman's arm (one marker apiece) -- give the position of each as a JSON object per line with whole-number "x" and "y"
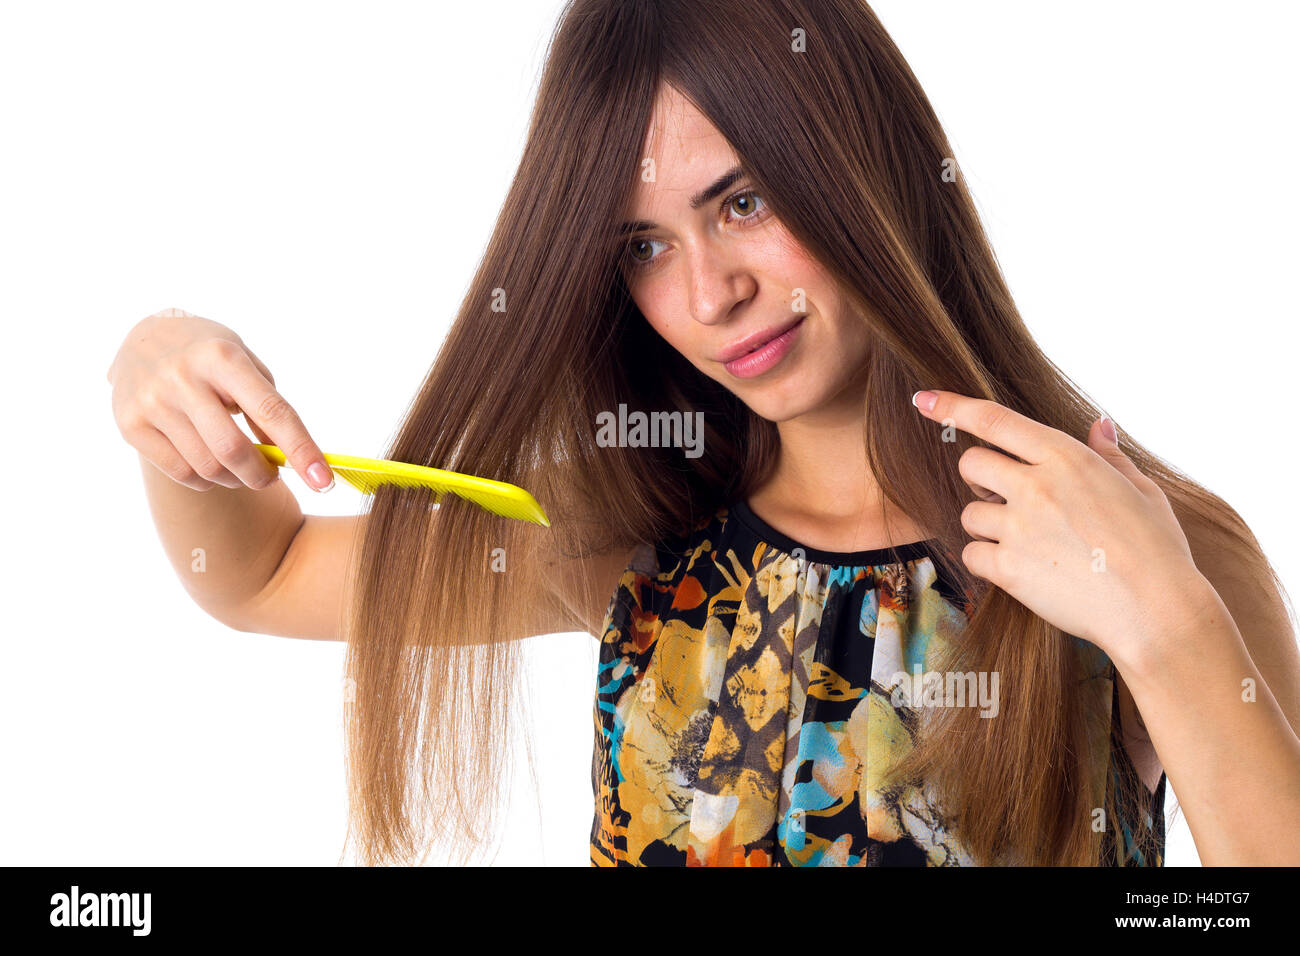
{"x": 1091, "y": 544}
{"x": 1226, "y": 743}
{"x": 1262, "y": 619}
{"x": 224, "y": 543}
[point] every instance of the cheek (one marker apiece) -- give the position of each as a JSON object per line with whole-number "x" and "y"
{"x": 852, "y": 341}
{"x": 791, "y": 268}
{"x": 659, "y": 316}
{"x": 784, "y": 250}
{"x": 656, "y": 317}
{"x": 660, "y": 308}
{"x": 850, "y": 353}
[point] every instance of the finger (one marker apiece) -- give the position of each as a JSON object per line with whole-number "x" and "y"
{"x": 259, "y": 365}
{"x": 1115, "y": 455}
{"x": 230, "y": 445}
{"x": 262, "y": 436}
{"x": 233, "y": 407}
{"x": 985, "y": 520}
{"x": 268, "y": 410}
{"x": 162, "y": 454}
{"x": 180, "y": 431}
{"x": 978, "y": 556}
{"x": 991, "y": 473}
{"x": 1030, "y": 441}
{"x": 982, "y": 493}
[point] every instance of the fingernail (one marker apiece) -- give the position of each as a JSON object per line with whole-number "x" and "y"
{"x": 321, "y": 476}
{"x": 924, "y": 400}
{"x": 1108, "y": 429}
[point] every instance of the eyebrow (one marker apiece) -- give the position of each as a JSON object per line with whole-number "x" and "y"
{"x": 711, "y": 191}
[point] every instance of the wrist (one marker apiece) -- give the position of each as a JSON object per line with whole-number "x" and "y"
{"x": 1188, "y": 610}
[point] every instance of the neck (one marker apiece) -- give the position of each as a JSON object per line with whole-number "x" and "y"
{"x": 821, "y": 477}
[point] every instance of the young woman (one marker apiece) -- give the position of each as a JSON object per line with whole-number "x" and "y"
{"x": 842, "y": 627}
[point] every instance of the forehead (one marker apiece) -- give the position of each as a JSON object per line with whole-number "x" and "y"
{"x": 687, "y": 150}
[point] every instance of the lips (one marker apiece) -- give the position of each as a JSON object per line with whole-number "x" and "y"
{"x": 755, "y": 341}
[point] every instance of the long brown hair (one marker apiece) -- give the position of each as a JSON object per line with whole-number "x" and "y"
{"x": 843, "y": 144}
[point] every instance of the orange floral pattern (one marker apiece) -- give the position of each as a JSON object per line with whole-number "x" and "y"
{"x": 744, "y": 680}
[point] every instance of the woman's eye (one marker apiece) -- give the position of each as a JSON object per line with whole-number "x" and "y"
{"x": 740, "y": 206}
{"x": 748, "y": 198}
{"x": 640, "y": 253}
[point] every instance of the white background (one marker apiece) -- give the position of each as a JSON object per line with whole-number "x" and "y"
{"x": 323, "y": 178}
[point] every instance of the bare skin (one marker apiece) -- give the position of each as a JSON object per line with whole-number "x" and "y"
{"x": 178, "y": 379}
{"x": 719, "y": 272}
{"x": 705, "y": 277}
{"x": 232, "y": 530}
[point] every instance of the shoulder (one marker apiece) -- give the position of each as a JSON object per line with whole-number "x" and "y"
{"x": 655, "y": 572}
{"x": 622, "y": 580}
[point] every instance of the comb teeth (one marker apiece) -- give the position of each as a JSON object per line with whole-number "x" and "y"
{"x": 367, "y": 475}
{"x": 368, "y": 482}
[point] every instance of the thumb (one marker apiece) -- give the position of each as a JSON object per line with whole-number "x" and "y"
{"x": 1099, "y": 440}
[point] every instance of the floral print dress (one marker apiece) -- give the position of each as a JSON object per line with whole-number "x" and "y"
{"x": 744, "y": 679}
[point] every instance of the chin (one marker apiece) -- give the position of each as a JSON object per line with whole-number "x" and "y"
{"x": 777, "y": 407}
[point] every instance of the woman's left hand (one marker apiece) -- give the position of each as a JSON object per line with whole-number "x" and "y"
{"x": 1072, "y": 531}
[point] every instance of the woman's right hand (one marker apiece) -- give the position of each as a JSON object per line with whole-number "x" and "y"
{"x": 178, "y": 379}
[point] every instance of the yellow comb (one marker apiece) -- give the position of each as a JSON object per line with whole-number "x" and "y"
{"x": 367, "y": 474}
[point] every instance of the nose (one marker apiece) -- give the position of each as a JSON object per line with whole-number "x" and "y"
{"x": 718, "y": 280}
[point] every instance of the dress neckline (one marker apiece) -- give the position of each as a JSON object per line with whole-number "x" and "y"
{"x": 900, "y": 553}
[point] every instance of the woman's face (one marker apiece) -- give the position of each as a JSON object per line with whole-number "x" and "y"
{"x": 709, "y": 267}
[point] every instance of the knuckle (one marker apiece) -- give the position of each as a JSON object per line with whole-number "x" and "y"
{"x": 300, "y": 447}
{"x": 179, "y": 471}
{"x": 1036, "y": 494}
{"x": 127, "y": 412}
{"x": 131, "y": 429}
{"x": 221, "y": 350}
{"x": 1148, "y": 483}
{"x": 1002, "y": 563}
{"x": 991, "y": 417}
{"x": 227, "y": 446}
{"x": 177, "y": 373}
{"x": 1049, "y": 498}
{"x": 148, "y": 403}
{"x": 1076, "y": 454}
{"x": 208, "y": 466}
{"x": 273, "y": 408}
